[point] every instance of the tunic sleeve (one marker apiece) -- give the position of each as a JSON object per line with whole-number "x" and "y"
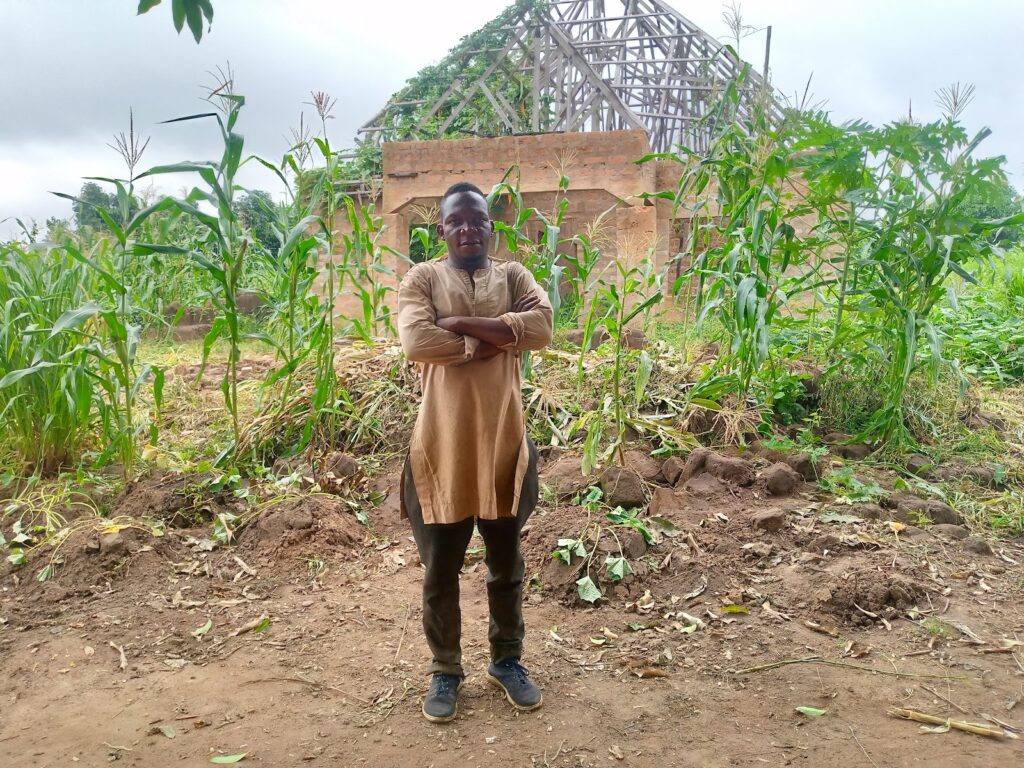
{"x": 422, "y": 340}
{"x": 532, "y": 329}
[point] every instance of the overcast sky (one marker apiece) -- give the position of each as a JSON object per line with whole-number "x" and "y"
{"x": 71, "y": 69}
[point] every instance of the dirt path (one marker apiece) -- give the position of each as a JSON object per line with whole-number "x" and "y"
{"x": 336, "y": 677}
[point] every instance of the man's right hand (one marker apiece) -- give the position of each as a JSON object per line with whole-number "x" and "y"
{"x": 526, "y": 303}
{"x": 485, "y": 351}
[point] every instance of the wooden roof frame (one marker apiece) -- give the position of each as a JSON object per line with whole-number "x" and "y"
{"x": 640, "y": 65}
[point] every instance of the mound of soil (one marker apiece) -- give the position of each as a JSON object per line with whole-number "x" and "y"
{"x": 324, "y": 519}
{"x": 873, "y": 591}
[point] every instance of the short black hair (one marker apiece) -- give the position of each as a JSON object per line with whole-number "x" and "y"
{"x": 462, "y": 187}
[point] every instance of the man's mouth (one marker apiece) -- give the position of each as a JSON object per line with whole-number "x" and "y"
{"x": 469, "y": 243}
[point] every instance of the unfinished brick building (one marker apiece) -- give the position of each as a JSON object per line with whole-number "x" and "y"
{"x": 582, "y": 88}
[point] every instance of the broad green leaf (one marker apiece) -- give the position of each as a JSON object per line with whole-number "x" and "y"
{"x": 588, "y": 590}
{"x": 16, "y": 376}
{"x": 618, "y": 568}
{"x": 74, "y": 318}
{"x": 228, "y": 759}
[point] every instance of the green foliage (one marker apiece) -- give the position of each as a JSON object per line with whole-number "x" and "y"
{"x": 224, "y": 256}
{"x": 892, "y": 196}
{"x": 258, "y": 214}
{"x": 406, "y": 115}
{"x": 46, "y": 384}
{"x": 993, "y": 201}
{"x": 193, "y": 12}
{"x": 848, "y": 489}
{"x": 91, "y": 199}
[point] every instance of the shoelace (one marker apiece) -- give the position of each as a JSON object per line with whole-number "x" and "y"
{"x": 521, "y": 672}
{"x": 445, "y": 684}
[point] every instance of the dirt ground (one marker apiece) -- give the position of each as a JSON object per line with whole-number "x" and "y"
{"x": 313, "y": 653}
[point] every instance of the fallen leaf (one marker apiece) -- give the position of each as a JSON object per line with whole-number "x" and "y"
{"x": 733, "y": 608}
{"x": 649, "y": 672}
{"x": 616, "y": 752}
{"x": 810, "y": 711}
{"x": 855, "y": 649}
{"x": 198, "y": 633}
{"x": 227, "y": 759}
{"x": 944, "y": 728}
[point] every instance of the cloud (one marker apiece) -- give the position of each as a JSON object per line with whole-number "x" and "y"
{"x": 73, "y": 70}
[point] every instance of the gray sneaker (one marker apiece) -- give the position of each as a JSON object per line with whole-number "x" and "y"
{"x": 514, "y": 679}
{"x": 441, "y": 703}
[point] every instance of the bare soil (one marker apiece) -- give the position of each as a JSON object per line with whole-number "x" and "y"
{"x": 314, "y": 653}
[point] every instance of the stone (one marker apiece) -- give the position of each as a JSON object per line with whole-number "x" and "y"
{"x": 977, "y": 545}
{"x": 913, "y": 509}
{"x": 643, "y": 464}
{"x": 248, "y": 302}
{"x": 339, "y": 464}
{"x": 780, "y": 479}
{"x": 771, "y": 520}
{"x": 632, "y": 542}
{"x": 913, "y": 532}
{"x": 979, "y": 474}
{"x": 91, "y": 547}
{"x": 731, "y": 469}
{"x": 919, "y": 464}
{"x": 291, "y": 465}
{"x": 866, "y": 511}
{"x": 705, "y": 486}
{"x": 824, "y": 544}
{"x": 113, "y": 545}
{"x": 840, "y": 444}
{"x": 756, "y": 550}
{"x": 599, "y": 337}
{"x": 672, "y": 469}
{"x": 952, "y": 531}
{"x": 667, "y": 503}
{"x": 804, "y": 465}
{"x": 634, "y": 338}
{"x": 694, "y": 464}
{"x": 564, "y": 477}
{"x": 623, "y": 487}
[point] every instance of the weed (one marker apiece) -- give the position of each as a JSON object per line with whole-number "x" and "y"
{"x": 848, "y": 489}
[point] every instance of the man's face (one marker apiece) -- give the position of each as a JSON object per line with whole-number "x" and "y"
{"x": 466, "y": 225}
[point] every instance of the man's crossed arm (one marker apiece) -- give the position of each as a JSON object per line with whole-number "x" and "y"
{"x": 492, "y": 332}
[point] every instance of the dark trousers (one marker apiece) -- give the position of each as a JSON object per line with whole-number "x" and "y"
{"x": 442, "y": 550}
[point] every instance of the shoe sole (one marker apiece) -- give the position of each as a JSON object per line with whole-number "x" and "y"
{"x": 442, "y": 718}
{"x": 496, "y": 682}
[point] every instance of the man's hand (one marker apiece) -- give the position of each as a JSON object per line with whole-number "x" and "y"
{"x": 485, "y": 351}
{"x": 526, "y": 303}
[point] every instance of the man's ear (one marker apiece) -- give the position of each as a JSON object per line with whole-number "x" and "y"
{"x": 440, "y": 230}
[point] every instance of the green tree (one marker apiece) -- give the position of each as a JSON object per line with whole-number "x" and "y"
{"x": 89, "y": 199}
{"x": 991, "y": 202}
{"x": 258, "y": 213}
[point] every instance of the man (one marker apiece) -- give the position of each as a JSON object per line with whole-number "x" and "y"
{"x": 466, "y": 318}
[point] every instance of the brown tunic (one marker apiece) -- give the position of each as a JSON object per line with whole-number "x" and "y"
{"x": 468, "y": 451}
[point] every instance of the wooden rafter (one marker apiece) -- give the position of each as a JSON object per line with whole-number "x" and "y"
{"x": 592, "y": 65}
